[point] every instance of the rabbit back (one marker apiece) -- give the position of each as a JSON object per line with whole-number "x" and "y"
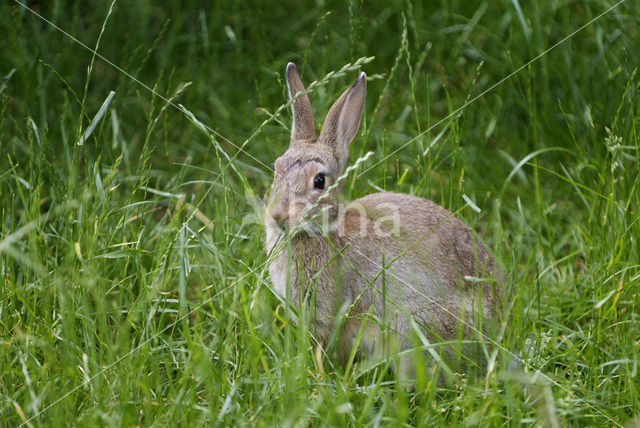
{"x": 431, "y": 264}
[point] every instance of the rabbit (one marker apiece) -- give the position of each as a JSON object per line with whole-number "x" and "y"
{"x": 327, "y": 254}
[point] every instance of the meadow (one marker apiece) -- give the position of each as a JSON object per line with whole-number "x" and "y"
{"x": 136, "y": 143}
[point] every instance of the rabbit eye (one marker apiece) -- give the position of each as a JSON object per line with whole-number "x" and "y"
{"x": 319, "y": 181}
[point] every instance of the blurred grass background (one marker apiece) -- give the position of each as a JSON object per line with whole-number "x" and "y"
{"x": 133, "y": 293}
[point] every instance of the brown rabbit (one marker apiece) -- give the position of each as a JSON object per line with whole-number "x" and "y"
{"x": 330, "y": 254}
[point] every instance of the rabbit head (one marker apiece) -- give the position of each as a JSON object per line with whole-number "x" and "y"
{"x": 313, "y": 164}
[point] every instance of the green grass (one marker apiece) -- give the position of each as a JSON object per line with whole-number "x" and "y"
{"x": 132, "y": 293}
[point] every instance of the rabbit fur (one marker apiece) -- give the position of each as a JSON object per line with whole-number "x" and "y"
{"x": 429, "y": 255}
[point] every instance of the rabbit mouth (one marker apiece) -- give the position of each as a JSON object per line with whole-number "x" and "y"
{"x": 318, "y": 228}
{"x": 305, "y": 226}
{"x": 319, "y": 221}
{"x": 308, "y": 227}
{"x": 304, "y": 219}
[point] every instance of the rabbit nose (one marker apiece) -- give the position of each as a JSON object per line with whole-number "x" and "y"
{"x": 280, "y": 217}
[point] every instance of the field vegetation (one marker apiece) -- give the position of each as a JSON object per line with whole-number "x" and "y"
{"x": 136, "y": 143}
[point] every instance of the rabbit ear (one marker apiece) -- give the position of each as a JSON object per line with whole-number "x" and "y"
{"x": 303, "y": 128}
{"x": 343, "y": 120}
